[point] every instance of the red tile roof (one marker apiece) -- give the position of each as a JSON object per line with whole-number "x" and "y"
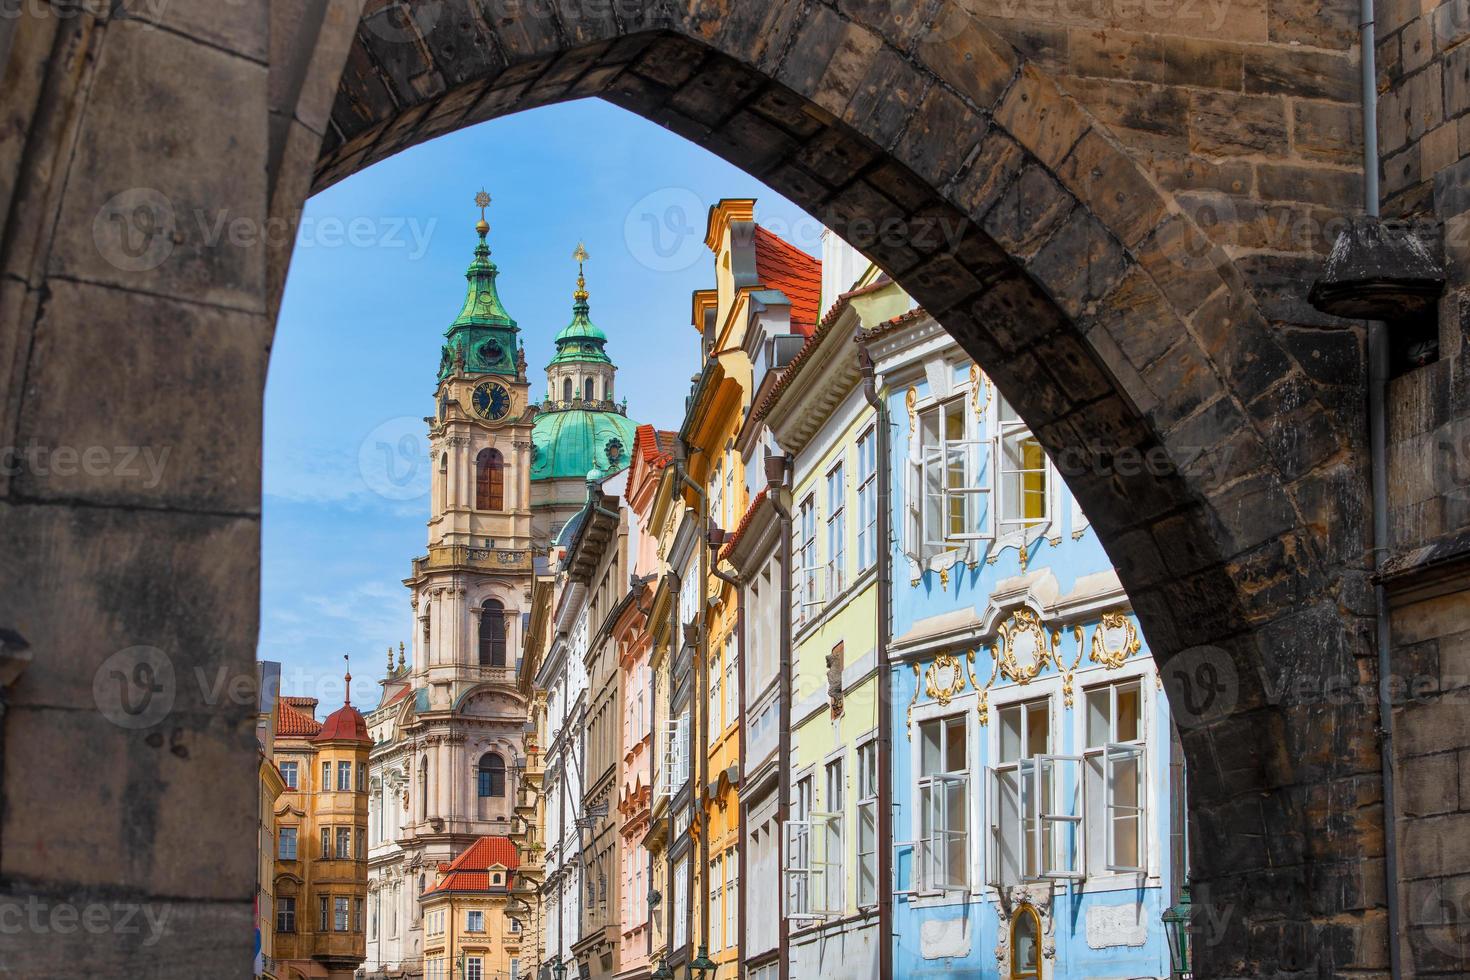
{"x": 788, "y": 376}
{"x": 346, "y": 724}
{"x": 470, "y": 871}
{"x": 781, "y": 265}
{"x": 397, "y": 697}
{"x": 734, "y": 539}
{"x": 291, "y": 720}
{"x": 655, "y": 445}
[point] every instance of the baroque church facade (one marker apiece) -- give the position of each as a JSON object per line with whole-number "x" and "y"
{"x": 509, "y": 471}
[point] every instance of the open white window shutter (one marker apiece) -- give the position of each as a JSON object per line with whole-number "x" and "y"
{"x": 1129, "y": 759}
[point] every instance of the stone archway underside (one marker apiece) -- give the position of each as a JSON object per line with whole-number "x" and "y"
{"x": 1032, "y": 225}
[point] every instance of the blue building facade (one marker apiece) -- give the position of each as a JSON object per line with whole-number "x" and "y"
{"x": 1036, "y": 782}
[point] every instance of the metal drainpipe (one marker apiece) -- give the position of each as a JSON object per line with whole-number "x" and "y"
{"x": 735, "y": 582}
{"x": 776, "y": 476}
{"x": 1378, "y": 368}
{"x": 1378, "y": 440}
{"x": 885, "y": 705}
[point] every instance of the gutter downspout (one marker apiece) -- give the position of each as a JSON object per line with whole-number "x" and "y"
{"x": 885, "y": 705}
{"x": 1378, "y": 369}
{"x": 776, "y": 477}
{"x": 1378, "y": 454}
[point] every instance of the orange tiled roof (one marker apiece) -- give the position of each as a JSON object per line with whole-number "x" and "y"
{"x": 654, "y": 444}
{"x": 471, "y": 870}
{"x": 781, "y": 265}
{"x": 291, "y": 720}
{"x": 744, "y": 526}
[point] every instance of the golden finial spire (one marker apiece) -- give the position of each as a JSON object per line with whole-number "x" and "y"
{"x": 581, "y": 256}
{"x": 482, "y": 201}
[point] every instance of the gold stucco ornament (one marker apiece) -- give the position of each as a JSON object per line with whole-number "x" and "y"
{"x": 1114, "y": 640}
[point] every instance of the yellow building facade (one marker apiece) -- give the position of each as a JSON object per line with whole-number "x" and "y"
{"x": 470, "y": 929}
{"x": 320, "y": 879}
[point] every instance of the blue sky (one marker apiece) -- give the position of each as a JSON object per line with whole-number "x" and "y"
{"x": 378, "y": 274}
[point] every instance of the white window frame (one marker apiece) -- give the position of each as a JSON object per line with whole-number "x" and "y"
{"x": 1059, "y": 846}
{"x": 674, "y": 767}
{"x": 808, "y": 577}
{"x": 932, "y": 494}
{"x": 1009, "y": 430}
{"x": 836, "y": 488}
{"x": 716, "y": 674}
{"x": 680, "y": 899}
{"x": 715, "y": 912}
{"x": 867, "y": 498}
{"x": 1024, "y": 846}
{"x": 732, "y": 895}
{"x": 1110, "y": 754}
{"x": 732, "y": 679}
{"x": 932, "y": 874}
{"x": 473, "y": 916}
{"x": 867, "y": 822}
{"x": 834, "y": 848}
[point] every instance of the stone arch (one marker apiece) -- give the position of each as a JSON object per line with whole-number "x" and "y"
{"x": 1137, "y": 351}
{"x": 1026, "y": 222}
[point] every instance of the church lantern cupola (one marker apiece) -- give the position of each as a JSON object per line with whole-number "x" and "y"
{"x": 582, "y": 425}
{"x": 483, "y": 338}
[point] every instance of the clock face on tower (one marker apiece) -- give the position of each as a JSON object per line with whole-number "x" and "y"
{"x": 491, "y": 400}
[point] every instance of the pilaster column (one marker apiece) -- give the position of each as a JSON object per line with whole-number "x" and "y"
{"x": 445, "y": 775}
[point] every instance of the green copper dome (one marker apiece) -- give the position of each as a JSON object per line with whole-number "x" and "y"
{"x": 569, "y": 444}
{"x": 483, "y": 336}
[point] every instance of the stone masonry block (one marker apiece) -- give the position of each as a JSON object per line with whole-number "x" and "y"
{"x": 1111, "y": 185}
{"x": 1040, "y": 118}
{"x": 170, "y": 211}
{"x": 110, "y": 434}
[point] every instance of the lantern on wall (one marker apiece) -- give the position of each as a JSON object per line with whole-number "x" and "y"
{"x": 1176, "y": 929}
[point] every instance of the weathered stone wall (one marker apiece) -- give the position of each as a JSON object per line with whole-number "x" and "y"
{"x": 1431, "y": 690}
{"x": 129, "y": 529}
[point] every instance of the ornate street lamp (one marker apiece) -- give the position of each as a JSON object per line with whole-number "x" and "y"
{"x": 559, "y": 970}
{"x": 663, "y": 972}
{"x": 701, "y": 967}
{"x": 1176, "y": 929}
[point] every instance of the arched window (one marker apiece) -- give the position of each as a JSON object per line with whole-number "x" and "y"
{"x": 492, "y": 634}
{"x": 489, "y": 480}
{"x": 589, "y": 390}
{"x": 491, "y": 775}
{"x": 607, "y": 389}
{"x": 566, "y": 390}
{"x": 444, "y": 482}
{"x": 1025, "y": 944}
